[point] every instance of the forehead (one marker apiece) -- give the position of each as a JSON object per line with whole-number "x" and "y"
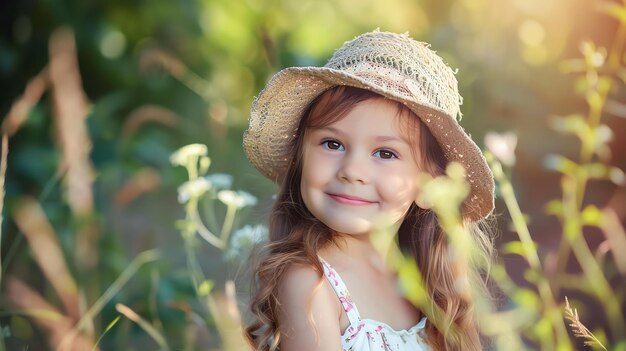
{"x": 378, "y": 115}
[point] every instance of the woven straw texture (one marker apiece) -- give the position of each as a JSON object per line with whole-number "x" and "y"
{"x": 393, "y": 65}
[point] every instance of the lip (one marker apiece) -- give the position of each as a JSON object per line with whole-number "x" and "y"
{"x": 350, "y": 200}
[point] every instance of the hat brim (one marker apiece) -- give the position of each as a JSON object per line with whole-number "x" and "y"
{"x": 276, "y": 112}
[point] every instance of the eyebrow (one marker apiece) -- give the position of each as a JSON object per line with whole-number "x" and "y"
{"x": 380, "y": 138}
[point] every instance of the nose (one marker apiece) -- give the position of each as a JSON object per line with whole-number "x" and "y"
{"x": 354, "y": 168}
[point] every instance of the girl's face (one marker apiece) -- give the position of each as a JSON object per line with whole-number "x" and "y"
{"x": 360, "y": 168}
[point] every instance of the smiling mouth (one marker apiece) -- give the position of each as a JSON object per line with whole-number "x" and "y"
{"x": 350, "y": 200}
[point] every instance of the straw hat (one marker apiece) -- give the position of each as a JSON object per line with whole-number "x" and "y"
{"x": 392, "y": 65}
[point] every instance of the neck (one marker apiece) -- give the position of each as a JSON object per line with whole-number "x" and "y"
{"x": 377, "y": 248}
{"x": 384, "y": 240}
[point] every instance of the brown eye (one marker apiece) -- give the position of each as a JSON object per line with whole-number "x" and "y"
{"x": 385, "y": 154}
{"x": 332, "y": 145}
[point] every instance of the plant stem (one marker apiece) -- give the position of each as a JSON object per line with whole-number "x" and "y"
{"x": 572, "y": 231}
{"x": 574, "y": 188}
{"x": 192, "y": 168}
{"x": 111, "y": 291}
{"x": 530, "y": 253}
{"x": 228, "y": 223}
{"x": 209, "y": 210}
{"x": 194, "y": 216}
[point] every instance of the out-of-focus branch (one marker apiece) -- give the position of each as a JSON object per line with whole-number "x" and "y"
{"x": 22, "y": 106}
{"x": 46, "y": 316}
{"x": 148, "y": 113}
{"x": 46, "y": 250}
{"x": 70, "y": 112}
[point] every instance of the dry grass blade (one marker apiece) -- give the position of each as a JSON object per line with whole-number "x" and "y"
{"x": 111, "y": 291}
{"x": 46, "y": 316}
{"x": 70, "y": 111}
{"x": 147, "y": 327}
{"x": 20, "y": 108}
{"x": 144, "y": 181}
{"x": 145, "y": 114}
{"x": 616, "y": 237}
{"x": 580, "y": 331}
{"x": 161, "y": 59}
{"x": 32, "y": 221}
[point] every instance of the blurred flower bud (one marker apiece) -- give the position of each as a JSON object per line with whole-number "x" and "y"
{"x": 181, "y": 156}
{"x": 239, "y": 199}
{"x": 244, "y": 239}
{"x": 502, "y": 146}
{"x": 192, "y": 189}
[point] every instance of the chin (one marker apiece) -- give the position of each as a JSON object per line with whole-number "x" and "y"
{"x": 358, "y": 227}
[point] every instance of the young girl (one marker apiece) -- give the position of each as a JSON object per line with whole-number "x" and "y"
{"x": 346, "y": 143}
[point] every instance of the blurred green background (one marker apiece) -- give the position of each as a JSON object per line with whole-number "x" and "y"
{"x": 158, "y": 75}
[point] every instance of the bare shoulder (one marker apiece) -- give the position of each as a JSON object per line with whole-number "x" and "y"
{"x": 309, "y": 311}
{"x": 299, "y": 278}
{"x": 301, "y": 285}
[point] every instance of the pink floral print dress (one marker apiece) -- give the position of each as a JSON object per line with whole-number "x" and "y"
{"x": 368, "y": 334}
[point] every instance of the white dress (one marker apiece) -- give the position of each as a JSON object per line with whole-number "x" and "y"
{"x": 368, "y": 334}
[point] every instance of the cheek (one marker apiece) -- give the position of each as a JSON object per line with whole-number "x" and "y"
{"x": 313, "y": 177}
{"x": 308, "y": 172}
{"x": 316, "y": 169}
{"x": 400, "y": 187}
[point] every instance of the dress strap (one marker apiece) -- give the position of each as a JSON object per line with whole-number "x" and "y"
{"x": 342, "y": 292}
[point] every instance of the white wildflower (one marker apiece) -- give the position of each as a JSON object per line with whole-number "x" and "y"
{"x": 249, "y": 235}
{"x": 181, "y": 156}
{"x": 502, "y": 146}
{"x": 604, "y": 134}
{"x": 244, "y": 239}
{"x": 239, "y": 199}
{"x": 220, "y": 180}
{"x": 192, "y": 188}
{"x": 617, "y": 176}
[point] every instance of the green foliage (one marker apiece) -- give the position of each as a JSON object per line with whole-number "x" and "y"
{"x": 162, "y": 74}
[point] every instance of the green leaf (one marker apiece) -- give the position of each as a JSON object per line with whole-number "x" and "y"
{"x": 532, "y": 276}
{"x": 554, "y": 207}
{"x": 205, "y": 288}
{"x": 561, "y": 164}
{"x": 411, "y": 282}
{"x": 596, "y": 170}
{"x": 591, "y": 215}
{"x": 572, "y": 124}
{"x": 526, "y": 298}
{"x": 516, "y": 248}
{"x": 595, "y": 100}
{"x": 543, "y": 328}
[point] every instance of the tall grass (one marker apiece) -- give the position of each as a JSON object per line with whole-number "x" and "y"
{"x": 69, "y": 304}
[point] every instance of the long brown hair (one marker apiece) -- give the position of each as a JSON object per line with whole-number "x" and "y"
{"x": 296, "y": 237}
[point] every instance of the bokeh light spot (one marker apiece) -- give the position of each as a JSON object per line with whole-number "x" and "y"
{"x": 112, "y": 44}
{"x": 535, "y": 55}
{"x": 531, "y": 32}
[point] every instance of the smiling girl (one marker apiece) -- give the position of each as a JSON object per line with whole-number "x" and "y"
{"x": 346, "y": 143}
